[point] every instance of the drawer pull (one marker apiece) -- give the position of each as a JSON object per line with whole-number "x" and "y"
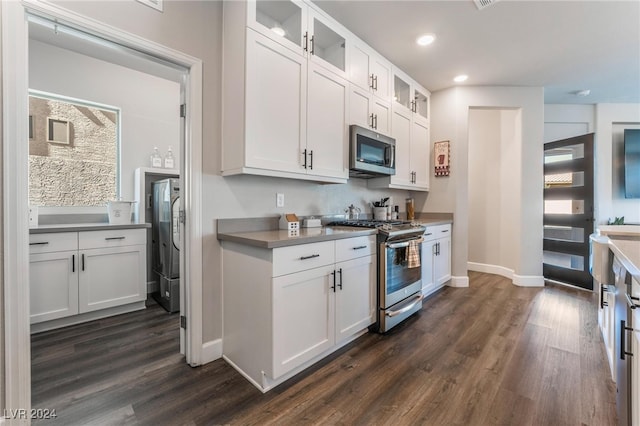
{"x": 430, "y": 233}
{"x": 309, "y": 257}
{"x": 445, "y": 230}
{"x": 73, "y": 263}
{"x": 43, "y": 243}
{"x": 114, "y": 238}
{"x": 359, "y": 247}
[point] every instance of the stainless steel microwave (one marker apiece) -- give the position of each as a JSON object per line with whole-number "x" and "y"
{"x": 371, "y": 154}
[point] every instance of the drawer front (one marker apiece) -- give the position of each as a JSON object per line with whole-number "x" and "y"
{"x": 352, "y": 248}
{"x": 48, "y": 243}
{"x": 287, "y": 260}
{"x": 111, "y": 238}
{"x": 437, "y": 231}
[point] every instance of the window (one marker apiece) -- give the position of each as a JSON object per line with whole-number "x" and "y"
{"x": 74, "y": 158}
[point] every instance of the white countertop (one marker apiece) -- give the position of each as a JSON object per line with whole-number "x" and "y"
{"x": 628, "y": 252}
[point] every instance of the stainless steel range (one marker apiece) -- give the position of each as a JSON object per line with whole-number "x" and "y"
{"x": 399, "y": 269}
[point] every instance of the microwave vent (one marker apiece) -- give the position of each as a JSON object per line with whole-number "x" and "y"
{"x": 481, "y": 4}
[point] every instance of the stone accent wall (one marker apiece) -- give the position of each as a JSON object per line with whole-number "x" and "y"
{"x": 80, "y": 173}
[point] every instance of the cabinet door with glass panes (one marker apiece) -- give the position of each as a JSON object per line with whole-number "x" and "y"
{"x": 409, "y": 95}
{"x": 301, "y": 28}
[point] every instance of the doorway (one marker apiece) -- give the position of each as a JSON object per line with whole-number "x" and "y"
{"x": 15, "y": 198}
{"x": 568, "y": 210}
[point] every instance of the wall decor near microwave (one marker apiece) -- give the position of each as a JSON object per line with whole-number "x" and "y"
{"x": 441, "y": 158}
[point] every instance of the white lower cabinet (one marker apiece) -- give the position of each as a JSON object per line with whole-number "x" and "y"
{"x": 73, "y": 273}
{"x": 285, "y": 308}
{"x": 635, "y": 376}
{"x": 436, "y": 258}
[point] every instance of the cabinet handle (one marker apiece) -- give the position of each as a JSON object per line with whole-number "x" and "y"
{"x": 630, "y": 301}
{"x": 375, "y": 83}
{"x": 305, "y": 158}
{"x": 306, "y": 40}
{"x": 340, "y": 283}
{"x": 43, "y": 243}
{"x": 73, "y": 263}
{"x": 428, "y": 234}
{"x": 438, "y": 251}
{"x": 114, "y": 238}
{"x": 359, "y": 247}
{"x": 309, "y": 257}
{"x": 311, "y": 157}
{"x": 623, "y": 338}
{"x": 371, "y": 81}
{"x": 333, "y": 287}
{"x": 371, "y": 122}
{"x": 375, "y": 118}
{"x": 445, "y": 230}
{"x": 83, "y": 261}
{"x": 312, "y": 45}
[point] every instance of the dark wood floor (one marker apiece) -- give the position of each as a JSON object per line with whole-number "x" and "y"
{"x": 490, "y": 354}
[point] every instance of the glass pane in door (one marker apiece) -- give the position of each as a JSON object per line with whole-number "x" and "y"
{"x": 564, "y": 180}
{"x": 565, "y": 153}
{"x": 563, "y": 260}
{"x": 422, "y": 104}
{"x": 564, "y": 207}
{"x": 401, "y": 92}
{"x": 284, "y": 18}
{"x": 564, "y": 233}
{"x": 328, "y": 45}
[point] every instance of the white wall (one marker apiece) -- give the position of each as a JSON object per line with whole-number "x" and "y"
{"x": 607, "y": 121}
{"x": 494, "y": 136}
{"x": 149, "y": 105}
{"x": 450, "y": 121}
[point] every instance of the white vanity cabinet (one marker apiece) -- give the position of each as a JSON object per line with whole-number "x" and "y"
{"x": 287, "y": 307}
{"x": 73, "y": 273}
{"x": 436, "y": 258}
{"x": 285, "y": 92}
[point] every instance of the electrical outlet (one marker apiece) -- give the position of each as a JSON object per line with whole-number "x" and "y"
{"x": 279, "y": 199}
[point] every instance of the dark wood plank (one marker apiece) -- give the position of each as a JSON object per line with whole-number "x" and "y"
{"x": 491, "y": 354}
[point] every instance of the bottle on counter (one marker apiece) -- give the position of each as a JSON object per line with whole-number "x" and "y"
{"x": 168, "y": 159}
{"x": 156, "y": 158}
{"x": 395, "y": 215}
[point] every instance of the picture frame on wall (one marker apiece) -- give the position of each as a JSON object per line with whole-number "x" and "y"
{"x": 442, "y": 158}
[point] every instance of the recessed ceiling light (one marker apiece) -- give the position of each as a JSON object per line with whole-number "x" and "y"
{"x": 425, "y": 40}
{"x": 278, "y": 30}
{"x": 461, "y": 78}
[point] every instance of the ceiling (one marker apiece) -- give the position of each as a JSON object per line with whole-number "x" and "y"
{"x": 563, "y": 46}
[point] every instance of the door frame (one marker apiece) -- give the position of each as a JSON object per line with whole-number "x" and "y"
{"x": 15, "y": 262}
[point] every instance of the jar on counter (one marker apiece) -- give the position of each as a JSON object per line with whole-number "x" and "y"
{"x": 411, "y": 213}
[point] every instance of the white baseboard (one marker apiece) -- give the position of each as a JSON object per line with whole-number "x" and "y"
{"x": 490, "y": 269}
{"x": 528, "y": 280}
{"x": 519, "y": 280}
{"x": 459, "y": 281}
{"x": 211, "y": 350}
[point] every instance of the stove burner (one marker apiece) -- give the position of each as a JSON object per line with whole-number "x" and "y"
{"x": 388, "y": 228}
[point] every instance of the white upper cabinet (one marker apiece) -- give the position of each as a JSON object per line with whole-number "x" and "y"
{"x": 369, "y": 111}
{"x": 410, "y": 129}
{"x": 409, "y": 95}
{"x": 285, "y": 93}
{"x": 369, "y": 71}
{"x": 299, "y": 27}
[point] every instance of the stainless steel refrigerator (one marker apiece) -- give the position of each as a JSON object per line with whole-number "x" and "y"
{"x": 165, "y": 242}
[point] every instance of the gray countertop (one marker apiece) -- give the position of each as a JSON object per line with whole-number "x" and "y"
{"x": 79, "y": 227}
{"x": 627, "y": 250}
{"x": 280, "y": 238}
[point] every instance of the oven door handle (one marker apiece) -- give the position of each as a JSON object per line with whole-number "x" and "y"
{"x": 404, "y": 243}
{"x": 418, "y": 298}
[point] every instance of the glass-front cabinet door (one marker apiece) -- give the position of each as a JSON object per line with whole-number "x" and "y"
{"x": 284, "y": 21}
{"x": 326, "y": 45}
{"x": 420, "y": 104}
{"x": 402, "y": 91}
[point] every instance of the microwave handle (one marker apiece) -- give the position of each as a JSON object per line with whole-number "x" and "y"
{"x": 390, "y": 154}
